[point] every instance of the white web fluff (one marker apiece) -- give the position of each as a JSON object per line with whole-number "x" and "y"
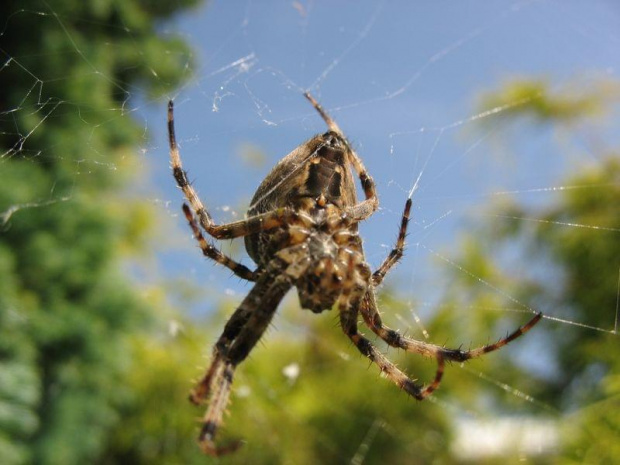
{"x": 405, "y": 98}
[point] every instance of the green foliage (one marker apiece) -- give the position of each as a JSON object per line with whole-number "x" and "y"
{"x": 588, "y": 361}
{"x": 592, "y": 434}
{"x": 323, "y": 413}
{"x": 66, "y": 310}
{"x": 535, "y": 98}
{"x": 575, "y": 242}
{"x": 579, "y": 236}
{"x": 157, "y": 422}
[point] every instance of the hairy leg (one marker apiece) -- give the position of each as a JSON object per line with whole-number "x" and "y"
{"x": 240, "y": 335}
{"x": 348, "y": 321}
{"x": 240, "y": 228}
{"x": 397, "y": 252}
{"x": 393, "y": 338}
{"x": 209, "y": 251}
{"x": 367, "y": 207}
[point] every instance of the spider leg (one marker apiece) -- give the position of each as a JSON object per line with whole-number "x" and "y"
{"x": 240, "y": 335}
{"x": 231, "y": 330}
{"x": 209, "y": 251}
{"x": 213, "y": 417}
{"x": 367, "y": 207}
{"x": 397, "y": 252}
{"x": 240, "y": 228}
{"x": 348, "y": 321}
{"x": 235, "y": 324}
{"x": 373, "y": 320}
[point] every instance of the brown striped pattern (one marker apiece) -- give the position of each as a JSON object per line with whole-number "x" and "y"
{"x": 211, "y": 252}
{"x": 397, "y": 252}
{"x": 240, "y": 335}
{"x": 393, "y": 338}
{"x": 348, "y": 321}
{"x": 232, "y": 230}
{"x": 302, "y": 232}
{"x": 364, "y": 209}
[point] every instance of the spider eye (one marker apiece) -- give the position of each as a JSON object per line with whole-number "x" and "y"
{"x": 334, "y": 140}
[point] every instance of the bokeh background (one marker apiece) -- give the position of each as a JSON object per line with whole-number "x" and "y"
{"x": 504, "y": 117}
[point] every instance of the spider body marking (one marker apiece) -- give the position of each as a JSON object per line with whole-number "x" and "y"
{"x": 301, "y": 231}
{"x": 316, "y": 244}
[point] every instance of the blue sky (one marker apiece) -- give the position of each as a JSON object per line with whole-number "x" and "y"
{"x": 403, "y": 81}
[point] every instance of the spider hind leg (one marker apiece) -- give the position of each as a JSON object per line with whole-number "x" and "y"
{"x": 372, "y": 319}
{"x": 241, "y": 333}
{"x": 348, "y": 321}
{"x": 213, "y": 418}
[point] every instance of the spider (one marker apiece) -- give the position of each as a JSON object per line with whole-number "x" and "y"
{"x": 302, "y": 231}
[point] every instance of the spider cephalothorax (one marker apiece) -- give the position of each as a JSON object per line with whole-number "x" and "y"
{"x": 301, "y": 231}
{"x": 323, "y": 257}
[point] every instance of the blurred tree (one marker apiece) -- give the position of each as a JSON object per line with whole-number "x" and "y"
{"x": 575, "y": 243}
{"x": 568, "y": 254}
{"x": 579, "y": 236}
{"x": 66, "y": 310}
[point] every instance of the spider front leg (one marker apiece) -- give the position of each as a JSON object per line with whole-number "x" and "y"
{"x": 367, "y": 207}
{"x": 348, "y": 321}
{"x": 232, "y": 329}
{"x": 213, "y": 417}
{"x": 214, "y": 254}
{"x": 232, "y": 230}
{"x": 373, "y": 320}
{"x": 397, "y": 252}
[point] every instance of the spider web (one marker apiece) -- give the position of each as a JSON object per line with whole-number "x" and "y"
{"x": 402, "y": 81}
